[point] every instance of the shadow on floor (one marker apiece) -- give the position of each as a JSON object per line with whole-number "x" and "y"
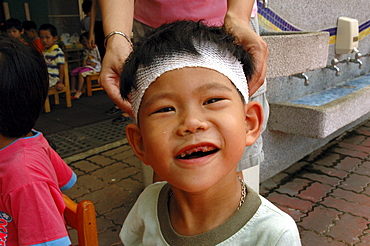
{"x": 81, "y": 127}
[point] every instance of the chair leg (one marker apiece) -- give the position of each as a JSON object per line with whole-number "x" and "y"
{"x": 68, "y": 99}
{"x": 56, "y": 99}
{"x": 47, "y": 105}
{"x": 89, "y": 86}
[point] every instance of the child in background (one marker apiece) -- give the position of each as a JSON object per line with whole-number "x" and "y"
{"x": 14, "y": 29}
{"x": 32, "y": 174}
{"x": 91, "y": 64}
{"x": 30, "y": 29}
{"x": 53, "y": 55}
{"x": 188, "y": 87}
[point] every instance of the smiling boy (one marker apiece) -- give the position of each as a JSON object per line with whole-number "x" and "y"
{"x": 188, "y": 87}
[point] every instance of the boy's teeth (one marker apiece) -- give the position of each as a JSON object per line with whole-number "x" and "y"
{"x": 196, "y": 150}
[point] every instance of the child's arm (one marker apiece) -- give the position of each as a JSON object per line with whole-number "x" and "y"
{"x": 85, "y": 57}
{"x": 37, "y": 209}
{"x": 60, "y": 84}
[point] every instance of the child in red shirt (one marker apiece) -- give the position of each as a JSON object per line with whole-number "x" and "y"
{"x": 32, "y": 174}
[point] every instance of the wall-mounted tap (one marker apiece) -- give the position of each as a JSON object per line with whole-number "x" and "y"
{"x": 303, "y": 76}
{"x": 357, "y": 58}
{"x": 333, "y": 66}
{"x": 265, "y": 4}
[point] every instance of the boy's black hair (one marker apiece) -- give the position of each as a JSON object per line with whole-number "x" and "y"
{"x": 86, "y": 6}
{"x": 24, "y": 84}
{"x": 29, "y": 25}
{"x": 13, "y": 22}
{"x": 49, "y": 27}
{"x": 84, "y": 35}
{"x": 178, "y": 37}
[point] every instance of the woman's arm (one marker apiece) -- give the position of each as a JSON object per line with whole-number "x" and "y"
{"x": 91, "y": 42}
{"x": 237, "y": 20}
{"x": 117, "y": 15}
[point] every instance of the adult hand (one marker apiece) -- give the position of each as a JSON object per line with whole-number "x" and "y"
{"x": 117, "y": 51}
{"x": 91, "y": 42}
{"x": 255, "y": 45}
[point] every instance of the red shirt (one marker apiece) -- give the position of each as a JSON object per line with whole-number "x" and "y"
{"x": 32, "y": 176}
{"x": 38, "y": 45}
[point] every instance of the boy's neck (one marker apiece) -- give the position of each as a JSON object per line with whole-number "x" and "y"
{"x": 5, "y": 141}
{"x": 195, "y": 214}
{"x": 51, "y": 47}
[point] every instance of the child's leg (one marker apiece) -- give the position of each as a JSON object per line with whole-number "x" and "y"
{"x": 81, "y": 81}
{"x": 74, "y": 74}
{"x": 73, "y": 84}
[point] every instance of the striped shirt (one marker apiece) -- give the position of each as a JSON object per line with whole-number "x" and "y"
{"x": 54, "y": 57}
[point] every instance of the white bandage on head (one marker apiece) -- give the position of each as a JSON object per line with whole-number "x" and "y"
{"x": 209, "y": 57}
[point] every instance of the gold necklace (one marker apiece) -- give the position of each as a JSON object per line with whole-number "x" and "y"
{"x": 242, "y": 197}
{"x": 244, "y": 193}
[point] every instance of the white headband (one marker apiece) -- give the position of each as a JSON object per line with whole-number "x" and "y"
{"x": 210, "y": 57}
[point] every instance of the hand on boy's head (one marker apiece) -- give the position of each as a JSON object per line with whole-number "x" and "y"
{"x": 110, "y": 72}
{"x": 256, "y": 46}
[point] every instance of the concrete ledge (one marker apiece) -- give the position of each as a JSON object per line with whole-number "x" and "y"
{"x": 321, "y": 121}
{"x": 295, "y": 52}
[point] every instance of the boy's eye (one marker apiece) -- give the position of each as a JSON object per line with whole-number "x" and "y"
{"x": 164, "y": 110}
{"x": 212, "y": 100}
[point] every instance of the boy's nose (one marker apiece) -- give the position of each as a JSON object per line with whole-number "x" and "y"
{"x": 192, "y": 124}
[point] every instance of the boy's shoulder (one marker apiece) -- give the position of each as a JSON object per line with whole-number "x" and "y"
{"x": 25, "y": 154}
{"x": 154, "y": 190}
{"x": 54, "y": 49}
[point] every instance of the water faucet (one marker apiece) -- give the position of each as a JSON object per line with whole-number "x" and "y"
{"x": 302, "y": 76}
{"x": 265, "y": 4}
{"x": 334, "y": 63}
{"x": 357, "y": 58}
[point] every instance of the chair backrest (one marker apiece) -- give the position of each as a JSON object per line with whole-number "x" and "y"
{"x": 81, "y": 216}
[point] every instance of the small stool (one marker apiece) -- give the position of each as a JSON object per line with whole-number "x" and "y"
{"x": 90, "y": 87}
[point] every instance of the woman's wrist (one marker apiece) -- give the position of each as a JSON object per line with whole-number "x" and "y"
{"x": 117, "y": 33}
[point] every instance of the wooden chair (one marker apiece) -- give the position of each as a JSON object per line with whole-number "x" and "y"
{"x": 81, "y": 216}
{"x": 90, "y": 86}
{"x": 55, "y": 92}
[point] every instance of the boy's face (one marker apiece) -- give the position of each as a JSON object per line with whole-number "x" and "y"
{"x": 192, "y": 128}
{"x": 14, "y": 33}
{"x": 47, "y": 39}
{"x": 31, "y": 34}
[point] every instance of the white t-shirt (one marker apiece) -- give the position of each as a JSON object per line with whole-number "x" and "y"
{"x": 257, "y": 222}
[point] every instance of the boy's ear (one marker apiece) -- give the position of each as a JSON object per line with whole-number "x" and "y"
{"x": 253, "y": 121}
{"x": 55, "y": 38}
{"x": 135, "y": 140}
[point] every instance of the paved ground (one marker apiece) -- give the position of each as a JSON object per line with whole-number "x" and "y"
{"x": 328, "y": 195}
